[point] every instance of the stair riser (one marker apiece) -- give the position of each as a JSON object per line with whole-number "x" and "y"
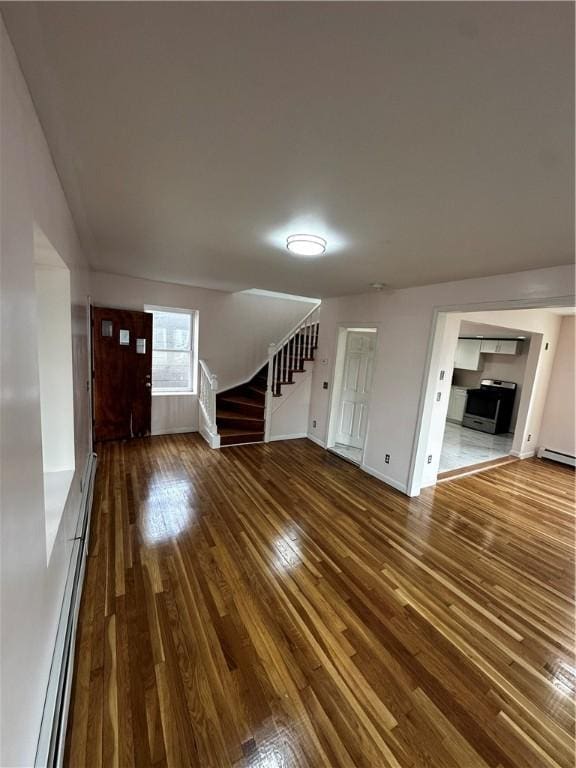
{"x": 256, "y": 410}
{"x": 224, "y": 422}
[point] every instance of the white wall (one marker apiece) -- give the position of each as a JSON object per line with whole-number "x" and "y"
{"x": 55, "y": 367}
{"x": 558, "y": 430}
{"x": 235, "y": 330}
{"x": 448, "y": 329}
{"x": 31, "y": 592}
{"x": 406, "y": 320}
{"x": 289, "y": 413}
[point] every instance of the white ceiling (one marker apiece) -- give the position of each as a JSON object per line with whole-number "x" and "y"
{"x": 468, "y": 328}
{"x": 565, "y": 311}
{"x": 425, "y": 141}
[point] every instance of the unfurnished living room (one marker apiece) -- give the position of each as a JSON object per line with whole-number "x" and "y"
{"x": 287, "y": 426}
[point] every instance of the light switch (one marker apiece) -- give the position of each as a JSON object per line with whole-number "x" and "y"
{"x": 125, "y": 338}
{"x": 141, "y": 346}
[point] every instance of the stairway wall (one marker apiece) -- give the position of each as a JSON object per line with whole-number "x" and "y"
{"x": 234, "y": 332}
{"x": 289, "y": 418}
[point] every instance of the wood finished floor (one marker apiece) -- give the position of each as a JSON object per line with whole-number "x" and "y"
{"x": 272, "y": 606}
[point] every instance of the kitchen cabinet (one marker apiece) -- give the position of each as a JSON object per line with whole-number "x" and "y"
{"x": 499, "y": 346}
{"x": 468, "y": 354}
{"x": 457, "y": 404}
{"x": 489, "y": 346}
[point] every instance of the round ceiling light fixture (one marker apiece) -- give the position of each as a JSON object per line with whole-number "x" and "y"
{"x": 306, "y": 245}
{"x": 378, "y": 286}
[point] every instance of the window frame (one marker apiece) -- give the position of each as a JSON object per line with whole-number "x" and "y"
{"x": 192, "y": 352}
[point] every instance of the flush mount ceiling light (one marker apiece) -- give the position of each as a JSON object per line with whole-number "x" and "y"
{"x": 306, "y": 245}
{"x": 378, "y": 286}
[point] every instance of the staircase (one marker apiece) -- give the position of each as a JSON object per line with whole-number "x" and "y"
{"x": 241, "y": 411}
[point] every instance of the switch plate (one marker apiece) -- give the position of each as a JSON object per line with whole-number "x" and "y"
{"x": 387, "y": 459}
{"x": 324, "y": 385}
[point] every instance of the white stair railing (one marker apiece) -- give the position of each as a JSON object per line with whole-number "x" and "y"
{"x": 207, "y": 409}
{"x": 289, "y": 356}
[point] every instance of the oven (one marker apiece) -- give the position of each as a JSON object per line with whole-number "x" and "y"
{"x": 489, "y": 408}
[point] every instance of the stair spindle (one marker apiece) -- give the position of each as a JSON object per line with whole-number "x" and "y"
{"x": 278, "y": 359}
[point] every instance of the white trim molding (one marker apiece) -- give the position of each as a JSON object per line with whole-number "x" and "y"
{"x": 385, "y": 479}
{"x": 297, "y": 436}
{"x": 316, "y": 440}
{"x": 523, "y": 454}
{"x": 212, "y": 438}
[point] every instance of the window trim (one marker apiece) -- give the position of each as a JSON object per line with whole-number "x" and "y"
{"x": 193, "y": 352}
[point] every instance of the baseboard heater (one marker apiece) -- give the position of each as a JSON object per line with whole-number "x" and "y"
{"x": 52, "y": 738}
{"x": 564, "y": 458}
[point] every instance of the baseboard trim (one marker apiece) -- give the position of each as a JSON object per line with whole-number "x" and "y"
{"x": 563, "y": 458}
{"x": 297, "y": 436}
{"x": 173, "y": 431}
{"x": 385, "y": 479}
{"x": 316, "y": 440}
{"x": 212, "y": 438}
{"x": 523, "y": 454}
{"x": 52, "y": 737}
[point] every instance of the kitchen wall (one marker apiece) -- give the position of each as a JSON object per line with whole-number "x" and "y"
{"x": 235, "y": 330}
{"x": 406, "y": 322}
{"x": 31, "y": 589}
{"x": 504, "y": 367}
{"x": 558, "y": 432}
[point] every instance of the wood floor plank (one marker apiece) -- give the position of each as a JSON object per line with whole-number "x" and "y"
{"x": 271, "y": 605}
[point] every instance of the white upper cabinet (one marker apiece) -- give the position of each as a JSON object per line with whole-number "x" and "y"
{"x": 508, "y": 347}
{"x": 468, "y": 354}
{"x": 499, "y": 346}
{"x": 489, "y": 345}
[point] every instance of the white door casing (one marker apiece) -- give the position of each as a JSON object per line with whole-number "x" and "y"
{"x": 356, "y": 385}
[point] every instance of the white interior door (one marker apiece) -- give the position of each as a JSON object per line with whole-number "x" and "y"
{"x": 355, "y": 392}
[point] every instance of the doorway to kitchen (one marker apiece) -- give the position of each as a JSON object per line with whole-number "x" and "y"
{"x": 454, "y": 359}
{"x": 485, "y": 393}
{"x": 351, "y": 394}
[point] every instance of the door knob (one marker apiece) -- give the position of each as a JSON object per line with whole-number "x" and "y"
{"x": 148, "y": 384}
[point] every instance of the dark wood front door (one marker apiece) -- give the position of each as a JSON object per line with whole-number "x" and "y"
{"x": 122, "y": 350}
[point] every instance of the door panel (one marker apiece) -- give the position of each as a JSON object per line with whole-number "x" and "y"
{"x": 356, "y": 385}
{"x": 122, "y": 373}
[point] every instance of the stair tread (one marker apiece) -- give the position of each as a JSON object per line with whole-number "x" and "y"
{"x": 229, "y": 431}
{"x": 222, "y": 414}
{"x": 241, "y": 399}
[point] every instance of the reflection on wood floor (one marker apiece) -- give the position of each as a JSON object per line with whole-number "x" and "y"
{"x": 273, "y": 606}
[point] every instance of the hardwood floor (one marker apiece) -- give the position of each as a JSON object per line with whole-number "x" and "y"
{"x": 272, "y": 605}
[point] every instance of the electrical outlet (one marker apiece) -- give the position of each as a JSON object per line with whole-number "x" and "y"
{"x": 387, "y": 459}
{"x": 324, "y": 385}
{"x": 546, "y": 345}
{"x": 529, "y": 438}
{"x": 442, "y": 374}
{"x": 430, "y": 459}
{"x": 314, "y": 423}
{"x": 438, "y": 396}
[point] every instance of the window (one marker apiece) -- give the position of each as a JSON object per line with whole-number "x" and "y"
{"x": 174, "y": 349}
